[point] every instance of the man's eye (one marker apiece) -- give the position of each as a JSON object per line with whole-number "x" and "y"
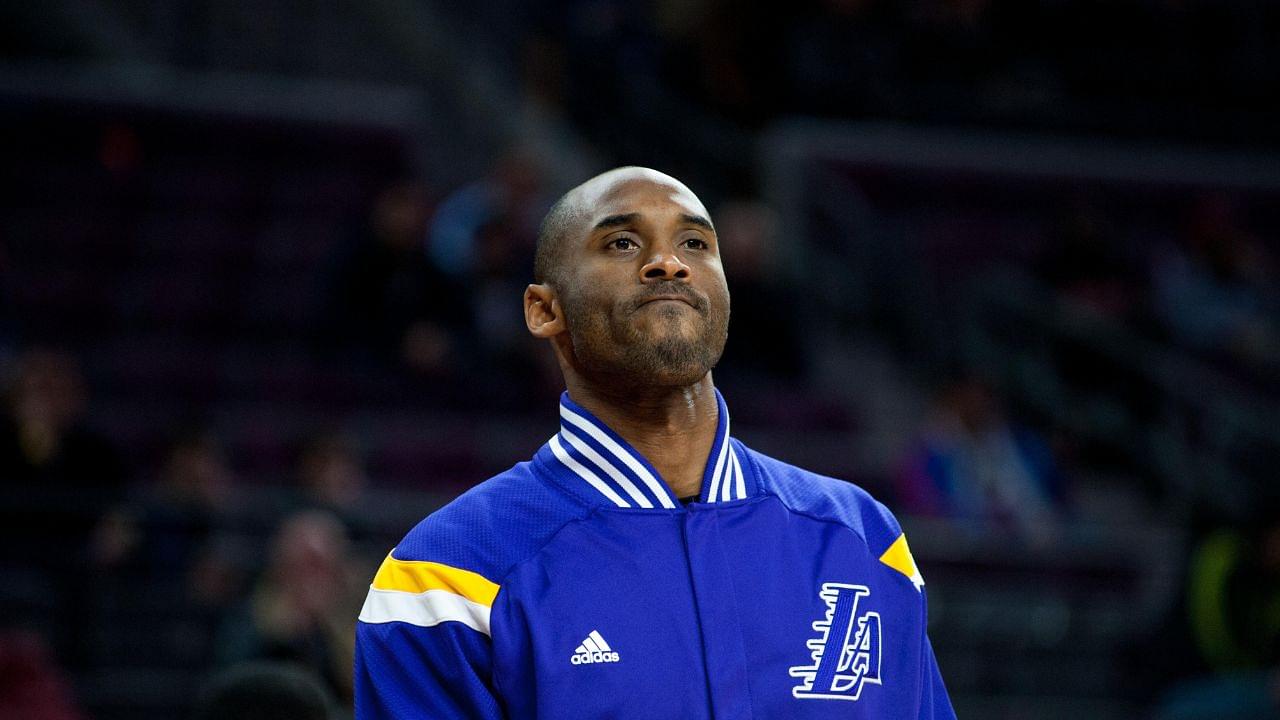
{"x": 698, "y": 243}
{"x": 622, "y": 243}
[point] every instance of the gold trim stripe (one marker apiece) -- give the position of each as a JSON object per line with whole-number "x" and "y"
{"x": 417, "y": 576}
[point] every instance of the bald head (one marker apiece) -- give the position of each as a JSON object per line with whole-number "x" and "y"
{"x": 568, "y": 217}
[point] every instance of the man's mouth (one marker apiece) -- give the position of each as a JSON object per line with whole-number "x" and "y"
{"x": 673, "y": 292}
{"x": 668, "y": 298}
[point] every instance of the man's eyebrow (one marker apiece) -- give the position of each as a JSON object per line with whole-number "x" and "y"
{"x": 699, "y": 221}
{"x": 613, "y": 221}
{"x": 616, "y": 221}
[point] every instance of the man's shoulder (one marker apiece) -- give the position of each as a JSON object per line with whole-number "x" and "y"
{"x": 492, "y": 526}
{"x": 826, "y": 498}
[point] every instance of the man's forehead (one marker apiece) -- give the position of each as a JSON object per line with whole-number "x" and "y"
{"x": 629, "y": 190}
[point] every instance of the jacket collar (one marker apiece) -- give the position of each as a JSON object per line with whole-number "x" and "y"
{"x": 601, "y": 466}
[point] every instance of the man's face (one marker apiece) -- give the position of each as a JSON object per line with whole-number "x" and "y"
{"x": 643, "y": 290}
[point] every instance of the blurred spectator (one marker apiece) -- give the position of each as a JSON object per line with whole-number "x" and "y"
{"x": 386, "y": 296}
{"x": 302, "y": 607}
{"x": 32, "y": 687}
{"x": 975, "y": 467}
{"x": 44, "y": 442}
{"x": 179, "y": 532}
{"x": 265, "y": 691}
{"x": 164, "y": 530}
{"x": 502, "y": 272}
{"x": 510, "y": 369}
{"x": 57, "y": 477}
{"x": 483, "y": 236}
{"x": 64, "y": 473}
{"x": 331, "y": 473}
{"x": 1215, "y": 290}
{"x": 511, "y": 195}
{"x": 331, "y": 477}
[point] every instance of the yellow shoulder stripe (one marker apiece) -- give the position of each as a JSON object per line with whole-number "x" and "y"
{"x": 898, "y": 557}
{"x": 415, "y": 576}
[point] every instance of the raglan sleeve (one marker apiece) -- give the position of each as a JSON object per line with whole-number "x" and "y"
{"x": 423, "y": 644}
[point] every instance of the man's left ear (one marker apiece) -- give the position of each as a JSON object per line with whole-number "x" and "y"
{"x": 542, "y": 314}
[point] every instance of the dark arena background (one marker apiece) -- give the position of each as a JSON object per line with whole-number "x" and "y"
{"x": 1011, "y": 265}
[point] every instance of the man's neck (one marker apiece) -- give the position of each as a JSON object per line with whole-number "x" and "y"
{"x": 674, "y": 428}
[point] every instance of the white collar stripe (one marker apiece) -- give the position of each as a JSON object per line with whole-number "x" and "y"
{"x": 585, "y": 473}
{"x": 726, "y": 482}
{"x": 580, "y": 423}
{"x": 622, "y": 480}
{"x": 742, "y": 482}
{"x": 714, "y": 488}
{"x": 718, "y": 476}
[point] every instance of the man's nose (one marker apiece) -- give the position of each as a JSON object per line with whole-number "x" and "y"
{"x": 664, "y": 265}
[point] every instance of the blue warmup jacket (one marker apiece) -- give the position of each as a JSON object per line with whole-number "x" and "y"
{"x": 576, "y": 585}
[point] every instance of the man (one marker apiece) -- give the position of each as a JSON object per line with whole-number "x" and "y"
{"x": 644, "y": 564}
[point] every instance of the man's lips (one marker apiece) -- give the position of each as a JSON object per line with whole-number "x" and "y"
{"x": 672, "y": 291}
{"x": 676, "y": 298}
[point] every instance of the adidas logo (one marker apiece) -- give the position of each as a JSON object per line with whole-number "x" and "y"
{"x": 594, "y": 650}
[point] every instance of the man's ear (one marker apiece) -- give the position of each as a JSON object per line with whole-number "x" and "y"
{"x": 542, "y": 313}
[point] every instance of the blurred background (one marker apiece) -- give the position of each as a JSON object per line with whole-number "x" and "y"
{"x": 1008, "y": 264}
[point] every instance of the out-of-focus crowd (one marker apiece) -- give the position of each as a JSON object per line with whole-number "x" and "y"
{"x": 100, "y": 537}
{"x": 83, "y": 534}
{"x": 432, "y": 293}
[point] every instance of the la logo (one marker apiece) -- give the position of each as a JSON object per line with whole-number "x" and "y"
{"x": 846, "y": 652}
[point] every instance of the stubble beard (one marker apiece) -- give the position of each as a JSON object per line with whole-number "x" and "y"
{"x": 610, "y": 348}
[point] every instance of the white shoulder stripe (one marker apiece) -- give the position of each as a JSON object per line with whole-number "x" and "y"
{"x": 655, "y": 486}
{"x": 423, "y": 609}
{"x": 585, "y": 473}
{"x": 608, "y": 467}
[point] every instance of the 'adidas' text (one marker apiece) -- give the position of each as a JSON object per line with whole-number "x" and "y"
{"x": 593, "y": 657}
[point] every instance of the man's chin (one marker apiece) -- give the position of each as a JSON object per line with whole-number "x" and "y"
{"x": 664, "y": 365}
{"x": 676, "y": 362}
{"x": 670, "y": 329}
